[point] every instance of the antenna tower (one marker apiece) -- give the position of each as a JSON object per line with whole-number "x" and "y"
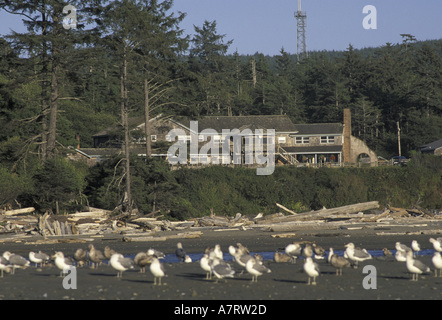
{"x": 301, "y": 18}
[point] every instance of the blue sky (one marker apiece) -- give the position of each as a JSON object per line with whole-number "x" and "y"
{"x": 266, "y": 26}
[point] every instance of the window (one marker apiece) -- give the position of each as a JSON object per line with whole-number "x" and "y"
{"x": 281, "y": 140}
{"x": 327, "y": 139}
{"x": 302, "y": 140}
{"x": 153, "y": 138}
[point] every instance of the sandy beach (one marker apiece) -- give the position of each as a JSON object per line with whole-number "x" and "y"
{"x": 389, "y": 278}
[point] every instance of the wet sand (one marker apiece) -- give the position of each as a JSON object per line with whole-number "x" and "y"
{"x": 187, "y": 281}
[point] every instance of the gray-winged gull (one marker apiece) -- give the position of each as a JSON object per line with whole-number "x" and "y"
{"x": 307, "y": 251}
{"x": 437, "y": 263}
{"x": 294, "y": 250}
{"x": 4, "y": 265}
{"x": 16, "y": 260}
{"x": 154, "y": 252}
{"x": 242, "y": 249}
{"x": 416, "y": 267}
{"x": 402, "y": 247}
{"x": 356, "y": 255}
{"x": 221, "y": 269}
{"x": 205, "y": 265}
{"x": 121, "y": 264}
{"x": 158, "y": 271}
{"x": 337, "y": 261}
{"x": 256, "y": 269}
{"x": 38, "y": 257}
{"x": 96, "y": 256}
{"x": 437, "y": 244}
{"x": 62, "y": 262}
{"x": 312, "y": 270}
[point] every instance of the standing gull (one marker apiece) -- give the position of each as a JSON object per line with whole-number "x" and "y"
{"x": 280, "y": 257}
{"x": 180, "y": 253}
{"x": 80, "y": 257}
{"x": 96, "y": 256}
{"x": 158, "y": 271}
{"x": 221, "y": 269}
{"x": 437, "y": 244}
{"x": 402, "y": 247}
{"x": 205, "y": 265}
{"x": 256, "y": 268}
{"x": 416, "y": 267}
{"x": 337, "y": 261}
{"x": 108, "y": 252}
{"x": 120, "y": 263}
{"x": 312, "y": 269}
{"x": 356, "y": 255}
{"x": 400, "y": 256}
{"x": 62, "y": 262}
{"x": 142, "y": 259}
{"x": 38, "y": 257}
{"x": 437, "y": 263}
{"x": 319, "y": 251}
{"x": 4, "y": 265}
{"x": 154, "y": 252}
{"x": 416, "y": 247}
{"x": 16, "y": 261}
{"x": 294, "y": 250}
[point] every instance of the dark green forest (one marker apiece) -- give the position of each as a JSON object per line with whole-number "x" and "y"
{"x": 128, "y": 58}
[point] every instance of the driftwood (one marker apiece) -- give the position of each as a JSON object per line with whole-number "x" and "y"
{"x": 286, "y": 209}
{"x": 18, "y": 211}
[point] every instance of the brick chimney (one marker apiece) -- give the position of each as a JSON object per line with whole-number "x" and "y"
{"x": 347, "y": 136}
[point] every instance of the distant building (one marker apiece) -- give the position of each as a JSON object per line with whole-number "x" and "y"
{"x": 295, "y": 144}
{"x": 432, "y": 148}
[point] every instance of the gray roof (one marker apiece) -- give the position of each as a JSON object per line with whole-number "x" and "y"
{"x": 319, "y": 129}
{"x": 218, "y": 123}
{"x": 431, "y": 146}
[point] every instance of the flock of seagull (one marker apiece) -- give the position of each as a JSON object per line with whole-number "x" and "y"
{"x": 213, "y": 263}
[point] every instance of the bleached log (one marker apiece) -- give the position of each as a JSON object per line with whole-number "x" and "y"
{"x": 19, "y": 211}
{"x": 285, "y": 209}
{"x": 323, "y": 213}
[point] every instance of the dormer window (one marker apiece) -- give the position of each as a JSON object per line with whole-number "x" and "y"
{"x": 327, "y": 140}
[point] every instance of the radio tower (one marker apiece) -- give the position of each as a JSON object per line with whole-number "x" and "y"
{"x": 301, "y": 18}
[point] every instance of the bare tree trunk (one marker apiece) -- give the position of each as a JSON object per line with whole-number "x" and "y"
{"x": 44, "y": 94}
{"x": 125, "y": 113}
{"x": 147, "y": 117}
{"x": 52, "y": 136}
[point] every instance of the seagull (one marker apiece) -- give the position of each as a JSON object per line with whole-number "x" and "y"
{"x": 62, "y": 262}
{"x": 242, "y": 249}
{"x": 80, "y": 256}
{"x": 402, "y": 247}
{"x": 180, "y": 253}
{"x": 416, "y": 267}
{"x": 400, "y": 256}
{"x": 356, "y": 254}
{"x": 387, "y": 253}
{"x": 307, "y": 251}
{"x": 142, "y": 259}
{"x": 16, "y": 261}
{"x": 96, "y": 256}
{"x": 437, "y": 244}
{"x": 153, "y": 252}
{"x": 120, "y": 263}
{"x": 38, "y": 257}
{"x": 242, "y": 259}
{"x": 437, "y": 263}
{"x": 312, "y": 269}
{"x": 319, "y": 251}
{"x": 221, "y": 269}
{"x": 187, "y": 259}
{"x": 205, "y": 265}
{"x": 4, "y": 265}
{"x": 256, "y": 268}
{"x": 294, "y": 250}
{"x": 282, "y": 257}
{"x": 158, "y": 271}
{"x": 337, "y": 261}
{"x": 416, "y": 247}
{"x": 108, "y": 252}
